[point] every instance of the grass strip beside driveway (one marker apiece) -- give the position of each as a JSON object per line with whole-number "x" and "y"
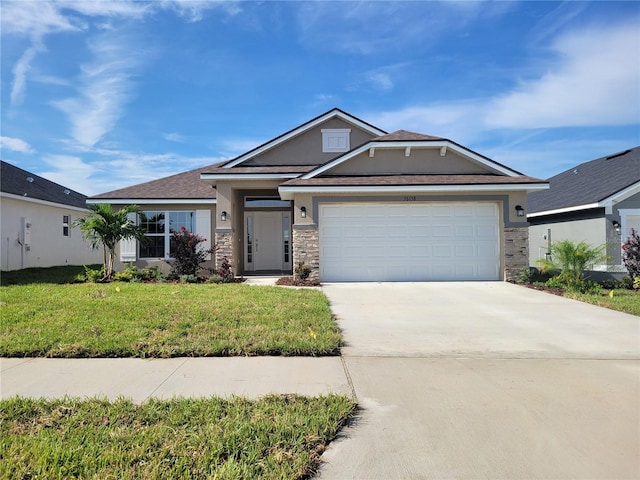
{"x": 164, "y": 320}
{"x": 276, "y": 437}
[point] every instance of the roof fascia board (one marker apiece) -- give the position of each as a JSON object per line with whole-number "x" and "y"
{"x": 436, "y": 144}
{"x": 621, "y": 195}
{"x": 286, "y": 192}
{"x": 606, "y": 203}
{"x": 302, "y": 128}
{"x": 42, "y": 202}
{"x": 247, "y": 176}
{"x": 151, "y": 201}
{"x": 587, "y": 206}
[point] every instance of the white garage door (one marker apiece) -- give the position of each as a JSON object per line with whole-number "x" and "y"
{"x": 409, "y": 242}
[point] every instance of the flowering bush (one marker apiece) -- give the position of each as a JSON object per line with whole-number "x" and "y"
{"x": 631, "y": 254}
{"x": 225, "y": 274}
{"x": 188, "y": 255}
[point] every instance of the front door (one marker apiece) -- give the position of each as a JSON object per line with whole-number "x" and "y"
{"x": 267, "y": 241}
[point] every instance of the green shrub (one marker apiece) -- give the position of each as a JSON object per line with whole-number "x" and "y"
{"x": 302, "y": 271}
{"x": 572, "y": 259}
{"x": 568, "y": 282}
{"x": 531, "y": 275}
{"x": 188, "y": 279}
{"x": 215, "y": 278}
{"x": 94, "y": 275}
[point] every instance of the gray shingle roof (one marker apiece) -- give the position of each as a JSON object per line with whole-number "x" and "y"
{"x": 589, "y": 182}
{"x": 16, "y": 181}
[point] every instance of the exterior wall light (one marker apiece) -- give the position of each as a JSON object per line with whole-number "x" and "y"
{"x": 519, "y": 211}
{"x": 223, "y": 216}
{"x": 303, "y": 212}
{"x": 616, "y": 226}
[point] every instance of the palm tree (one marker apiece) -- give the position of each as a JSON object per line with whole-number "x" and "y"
{"x": 572, "y": 259}
{"x": 106, "y": 226}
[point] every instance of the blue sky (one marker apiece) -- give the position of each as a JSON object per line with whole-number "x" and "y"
{"x": 102, "y": 95}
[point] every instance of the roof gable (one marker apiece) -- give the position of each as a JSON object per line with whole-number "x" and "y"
{"x": 409, "y": 142}
{"x": 592, "y": 184}
{"x": 335, "y": 113}
{"x": 16, "y": 181}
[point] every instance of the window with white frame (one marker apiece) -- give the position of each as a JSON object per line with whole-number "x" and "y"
{"x": 336, "y": 140}
{"x": 158, "y": 231}
{"x": 65, "y": 225}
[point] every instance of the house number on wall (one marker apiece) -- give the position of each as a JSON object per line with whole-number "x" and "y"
{"x": 409, "y": 199}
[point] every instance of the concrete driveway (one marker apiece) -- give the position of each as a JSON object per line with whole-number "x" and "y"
{"x": 485, "y": 381}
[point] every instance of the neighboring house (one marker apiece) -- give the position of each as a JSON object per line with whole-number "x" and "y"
{"x": 350, "y": 201}
{"x": 597, "y": 202}
{"x": 36, "y": 222}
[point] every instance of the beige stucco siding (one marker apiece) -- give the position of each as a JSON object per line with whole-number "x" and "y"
{"x": 420, "y": 161}
{"x": 308, "y": 200}
{"x": 591, "y": 231}
{"x": 49, "y": 247}
{"x": 306, "y": 148}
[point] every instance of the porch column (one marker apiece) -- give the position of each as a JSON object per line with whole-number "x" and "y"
{"x": 516, "y": 251}
{"x": 224, "y": 246}
{"x": 305, "y": 249}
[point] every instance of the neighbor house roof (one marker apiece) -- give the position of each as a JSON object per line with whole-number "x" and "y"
{"x": 182, "y": 186}
{"x": 19, "y": 182}
{"x": 591, "y": 184}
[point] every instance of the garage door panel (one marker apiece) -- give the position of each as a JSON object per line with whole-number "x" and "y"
{"x": 409, "y": 242}
{"x": 464, "y": 231}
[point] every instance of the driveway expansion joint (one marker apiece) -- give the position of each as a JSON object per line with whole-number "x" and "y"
{"x": 352, "y": 388}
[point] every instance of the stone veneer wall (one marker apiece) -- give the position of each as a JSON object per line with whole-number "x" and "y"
{"x": 224, "y": 243}
{"x": 305, "y": 249}
{"x": 516, "y": 251}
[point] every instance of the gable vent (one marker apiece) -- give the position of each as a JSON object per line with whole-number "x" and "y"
{"x": 616, "y": 155}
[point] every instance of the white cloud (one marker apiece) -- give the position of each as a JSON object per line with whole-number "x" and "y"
{"x": 193, "y": 10}
{"x": 174, "y": 137}
{"x": 20, "y": 70}
{"x": 15, "y": 144}
{"x": 457, "y": 121}
{"x": 595, "y": 81}
{"x": 36, "y": 19}
{"x": 105, "y": 86}
{"x": 69, "y": 171}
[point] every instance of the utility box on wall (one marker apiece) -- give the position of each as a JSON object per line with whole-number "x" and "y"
{"x": 26, "y": 231}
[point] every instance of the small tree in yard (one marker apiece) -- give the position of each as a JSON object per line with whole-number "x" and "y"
{"x": 107, "y": 227}
{"x": 188, "y": 255}
{"x": 572, "y": 259}
{"x": 631, "y": 255}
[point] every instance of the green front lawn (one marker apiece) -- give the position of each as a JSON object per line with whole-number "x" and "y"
{"x": 164, "y": 320}
{"x": 623, "y": 300}
{"x": 277, "y": 437}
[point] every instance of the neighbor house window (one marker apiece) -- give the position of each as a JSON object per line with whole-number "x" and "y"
{"x": 336, "y": 140}
{"x": 158, "y": 232}
{"x": 65, "y": 225}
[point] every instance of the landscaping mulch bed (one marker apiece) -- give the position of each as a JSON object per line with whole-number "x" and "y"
{"x": 291, "y": 282}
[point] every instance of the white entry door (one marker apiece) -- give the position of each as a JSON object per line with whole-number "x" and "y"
{"x": 267, "y": 240}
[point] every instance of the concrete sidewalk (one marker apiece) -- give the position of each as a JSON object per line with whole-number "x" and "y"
{"x": 139, "y": 379}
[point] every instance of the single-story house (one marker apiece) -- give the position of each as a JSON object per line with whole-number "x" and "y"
{"x": 36, "y": 222}
{"x": 351, "y": 201}
{"x": 597, "y": 202}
